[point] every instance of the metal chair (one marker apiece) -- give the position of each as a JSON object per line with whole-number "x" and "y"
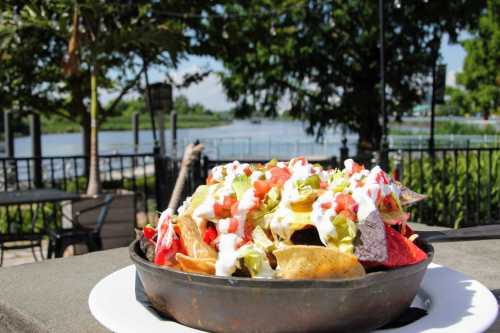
{"x": 61, "y": 238}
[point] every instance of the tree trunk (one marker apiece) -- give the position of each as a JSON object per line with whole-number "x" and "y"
{"x": 370, "y": 135}
{"x": 94, "y": 185}
{"x": 85, "y": 126}
{"x": 79, "y": 112}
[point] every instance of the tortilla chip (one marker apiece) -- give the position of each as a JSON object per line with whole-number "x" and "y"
{"x": 316, "y": 262}
{"x": 408, "y": 197}
{"x": 395, "y": 217}
{"x": 188, "y": 264}
{"x": 371, "y": 245}
{"x": 192, "y": 239}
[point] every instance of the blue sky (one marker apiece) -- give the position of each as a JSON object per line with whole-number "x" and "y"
{"x": 209, "y": 92}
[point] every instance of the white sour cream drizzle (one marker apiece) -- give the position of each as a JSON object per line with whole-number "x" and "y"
{"x": 283, "y": 216}
{"x": 228, "y": 255}
{"x": 185, "y": 205}
{"x": 165, "y": 238}
{"x": 367, "y": 187}
{"x": 247, "y": 202}
{"x": 322, "y": 217}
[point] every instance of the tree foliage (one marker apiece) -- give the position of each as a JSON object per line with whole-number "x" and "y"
{"x": 34, "y": 42}
{"x": 481, "y": 73}
{"x": 320, "y": 60}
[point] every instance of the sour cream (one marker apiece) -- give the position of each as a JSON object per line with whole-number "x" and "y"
{"x": 228, "y": 255}
{"x": 322, "y": 218}
{"x": 165, "y": 238}
{"x": 247, "y": 202}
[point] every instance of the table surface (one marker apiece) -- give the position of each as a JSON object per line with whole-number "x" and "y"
{"x": 36, "y": 196}
{"x": 52, "y": 296}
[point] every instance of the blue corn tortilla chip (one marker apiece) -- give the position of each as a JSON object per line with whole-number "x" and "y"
{"x": 408, "y": 197}
{"x": 371, "y": 244}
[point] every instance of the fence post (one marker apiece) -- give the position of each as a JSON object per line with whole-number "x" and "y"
{"x": 8, "y": 134}
{"x": 344, "y": 151}
{"x": 36, "y": 149}
{"x": 173, "y": 123}
{"x": 205, "y": 166}
{"x": 397, "y": 172}
{"x": 135, "y": 130}
{"x": 160, "y": 180}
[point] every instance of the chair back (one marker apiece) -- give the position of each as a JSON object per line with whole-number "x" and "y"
{"x": 108, "y": 199}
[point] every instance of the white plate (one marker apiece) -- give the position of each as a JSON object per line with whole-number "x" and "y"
{"x": 455, "y": 303}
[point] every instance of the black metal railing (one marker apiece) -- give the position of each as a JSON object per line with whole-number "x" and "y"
{"x": 462, "y": 184}
{"x": 130, "y": 172}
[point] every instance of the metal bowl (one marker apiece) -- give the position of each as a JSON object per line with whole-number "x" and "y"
{"x": 222, "y": 304}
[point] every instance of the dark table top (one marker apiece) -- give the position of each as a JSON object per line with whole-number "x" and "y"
{"x": 36, "y": 196}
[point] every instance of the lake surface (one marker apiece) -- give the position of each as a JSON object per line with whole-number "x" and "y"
{"x": 240, "y": 139}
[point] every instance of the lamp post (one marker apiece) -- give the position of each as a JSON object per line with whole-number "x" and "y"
{"x": 383, "y": 158}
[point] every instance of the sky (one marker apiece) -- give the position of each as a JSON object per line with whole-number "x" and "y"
{"x": 210, "y": 94}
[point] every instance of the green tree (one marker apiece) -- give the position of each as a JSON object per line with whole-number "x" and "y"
{"x": 320, "y": 60}
{"x": 458, "y": 103}
{"x": 481, "y": 73}
{"x": 181, "y": 105}
{"x": 114, "y": 43}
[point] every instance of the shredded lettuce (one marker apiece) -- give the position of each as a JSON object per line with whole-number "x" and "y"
{"x": 346, "y": 232}
{"x": 241, "y": 184}
{"x": 255, "y": 260}
{"x": 260, "y": 239}
{"x": 199, "y": 196}
{"x": 338, "y": 181}
{"x": 267, "y": 207}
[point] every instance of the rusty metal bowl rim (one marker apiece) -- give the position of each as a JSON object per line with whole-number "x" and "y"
{"x": 369, "y": 279}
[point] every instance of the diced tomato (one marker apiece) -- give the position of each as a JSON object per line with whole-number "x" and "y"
{"x": 345, "y": 202}
{"x": 234, "y": 208}
{"x": 261, "y": 188}
{"x": 389, "y": 203}
{"x": 279, "y": 175}
{"x": 218, "y": 210}
{"x": 210, "y": 234}
{"x": 229, "y": 202}
{"x": 349, "y": 214}
{"x": 326, "y": 205}
{"x": 233, "y": 225}
{"x": 247, "y": 171}
{"x": 148, "y": 231}
{"x": 357, "y": 167}
{"x": 323, "y": 185}
{"x": 224, "y": 210}
{"x": 247, "y": 233}
{"x": 164, "y": 256}
{"x": 210, "y": 180}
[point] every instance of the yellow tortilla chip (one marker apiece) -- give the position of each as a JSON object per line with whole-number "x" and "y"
{"x": 192, "y": 239}
{"x": 316, "y": 262}
{"x": 196, "y": 265}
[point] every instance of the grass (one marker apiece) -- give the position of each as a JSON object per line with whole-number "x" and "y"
{"x": 122, "y": 123}
{"x": 448, "y": 127}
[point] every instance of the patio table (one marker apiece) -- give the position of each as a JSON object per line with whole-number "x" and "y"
{"x": 52, "y": 296}
{"x": 37, "y": 197}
